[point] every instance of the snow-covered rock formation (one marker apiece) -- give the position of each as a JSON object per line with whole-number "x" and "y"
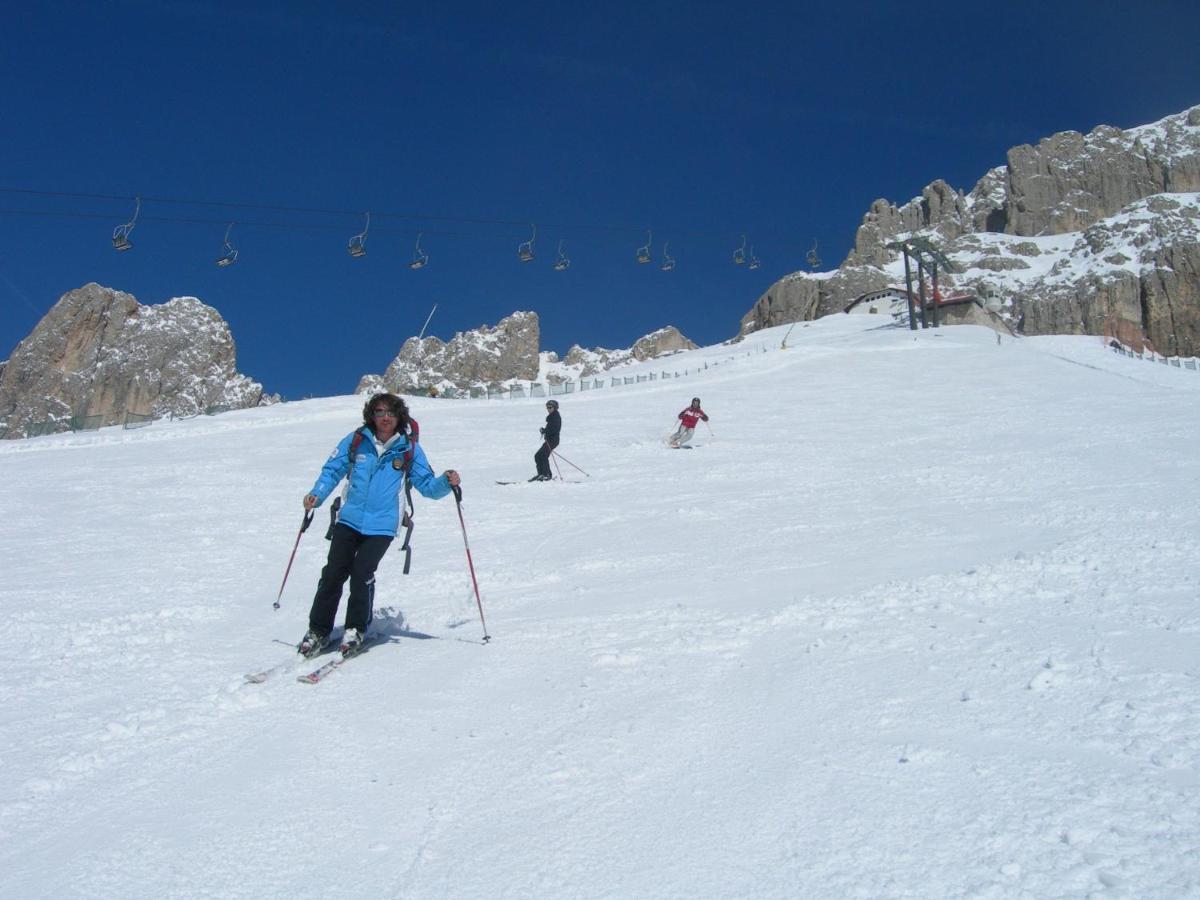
{"x": 98, "y": 352}
{"x": 1077, "y": 232}
{"x": 491, "y": 357}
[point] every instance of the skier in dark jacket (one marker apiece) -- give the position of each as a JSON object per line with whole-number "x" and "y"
{"x": 376, "y": 459}
{"x": 549, "y": 441}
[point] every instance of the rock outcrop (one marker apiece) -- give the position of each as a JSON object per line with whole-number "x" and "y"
{"x": 1068, "y": 235}
{"x": 1141, "y": 267}
{"x": 98, "y": 352}
{"x": 1070, "y": 181}
{"x": 488, "y": 357}
{"x": 663, "y": 342}
{"x": 481, "y": 356}
{"x": 582, "y": 363}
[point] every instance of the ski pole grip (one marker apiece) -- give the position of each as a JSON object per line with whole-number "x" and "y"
{"x": 457, "y": 492}
{"x": 308, "y": 517}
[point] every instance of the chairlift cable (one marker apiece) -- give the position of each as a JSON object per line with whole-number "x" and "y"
{"x": 463, "y": 220}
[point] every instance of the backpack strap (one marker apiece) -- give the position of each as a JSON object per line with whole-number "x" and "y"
{"x": 413, "y": 435}
{"x": 337, "y": 501}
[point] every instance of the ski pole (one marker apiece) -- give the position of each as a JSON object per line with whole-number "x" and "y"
{"x": 470, "y": 564}
{"x": 567, "y": 461}
{"x": 308, "y": 517}
{"x": 709, "y": 427}
{"x": 557, "y": 468}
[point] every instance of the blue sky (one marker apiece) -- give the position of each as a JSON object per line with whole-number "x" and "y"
{"x": 701, "y": 122}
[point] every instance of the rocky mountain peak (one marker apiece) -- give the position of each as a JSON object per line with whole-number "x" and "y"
{"x": 98, "y": 352}
{"x": 1055, "y": 239}
{"x": 492, "y": 356}
{"x": 482, "y": 356}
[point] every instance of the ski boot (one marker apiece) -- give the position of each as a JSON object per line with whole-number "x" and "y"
{"x": 312, "y": 643}
{"x": 352, "y": 641}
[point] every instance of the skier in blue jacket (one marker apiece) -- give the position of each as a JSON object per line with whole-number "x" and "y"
{"x": 375, "y": 460}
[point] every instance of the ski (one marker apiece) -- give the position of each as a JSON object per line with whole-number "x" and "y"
{"x": 320, "y": 673}
{"x": 554, "y": 480}
{"x": 288, "y": 665}
{"x": 265, "y": 674}
{"x": 275, "y": 671}
{"x": 317, "y": 674}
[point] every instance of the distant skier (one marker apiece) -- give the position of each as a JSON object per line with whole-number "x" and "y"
{"x": 375, "y": 459}
{"x": 687, "y": 423}
{"x": 550, "y": 432}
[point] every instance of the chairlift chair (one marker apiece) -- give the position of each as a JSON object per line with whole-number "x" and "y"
{"x": 525, "y": 248}
{"x": 230, "y": 255}
{"x": 739, "y": 255}
{"x": 754, "y": 263}
{"x": 120, "y": 235}
{"x": 668, "y": 262}
{"x": 358, "y": 244}
{"x": 643, "y": 253}
{"x": 562, "y": 263}
{"x": 420, "y": 257}
{"x": 813, "y": 259}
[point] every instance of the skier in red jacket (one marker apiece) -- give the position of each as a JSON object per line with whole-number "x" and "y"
{"x": 687, "y": 423}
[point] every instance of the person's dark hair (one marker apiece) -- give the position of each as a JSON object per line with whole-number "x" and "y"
{"x": 551, "y": 404}
{"x": 392, "y": 402}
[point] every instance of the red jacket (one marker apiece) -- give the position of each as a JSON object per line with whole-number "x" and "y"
{"x": 692, "y": 415}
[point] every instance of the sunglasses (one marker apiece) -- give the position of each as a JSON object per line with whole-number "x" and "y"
{"x": 383, "y": 414}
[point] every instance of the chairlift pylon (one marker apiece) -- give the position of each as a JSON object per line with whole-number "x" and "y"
{"x": 230, "y": 255}
{"x": 358, "y": 244}
{"x": 754, "y": 263}
{"x": 668, "y": 262}
{"x": 120, "y": 235}
{"x": 562, "y": 263}
{"x": 643, "y": 253}
{"x": 814, "y": 261}
{"x": 420, "y": 257}
{"x": 739, "y": 255}
{"x": 525, "y": 248}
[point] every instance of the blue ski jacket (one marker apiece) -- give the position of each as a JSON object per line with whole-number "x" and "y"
{"x": 372, "y": 504}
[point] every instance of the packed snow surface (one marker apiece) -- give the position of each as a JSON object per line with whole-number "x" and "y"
{"x": 917, "y": 616}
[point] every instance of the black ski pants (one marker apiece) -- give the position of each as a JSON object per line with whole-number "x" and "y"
{"x": 354, "y": 556}
{"x": 541, "y": 459}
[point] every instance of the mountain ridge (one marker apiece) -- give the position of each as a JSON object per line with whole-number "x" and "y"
{"x": 1086, "y": 186}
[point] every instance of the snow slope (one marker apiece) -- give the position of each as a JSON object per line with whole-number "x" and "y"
{"x": 917, "y": 618}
